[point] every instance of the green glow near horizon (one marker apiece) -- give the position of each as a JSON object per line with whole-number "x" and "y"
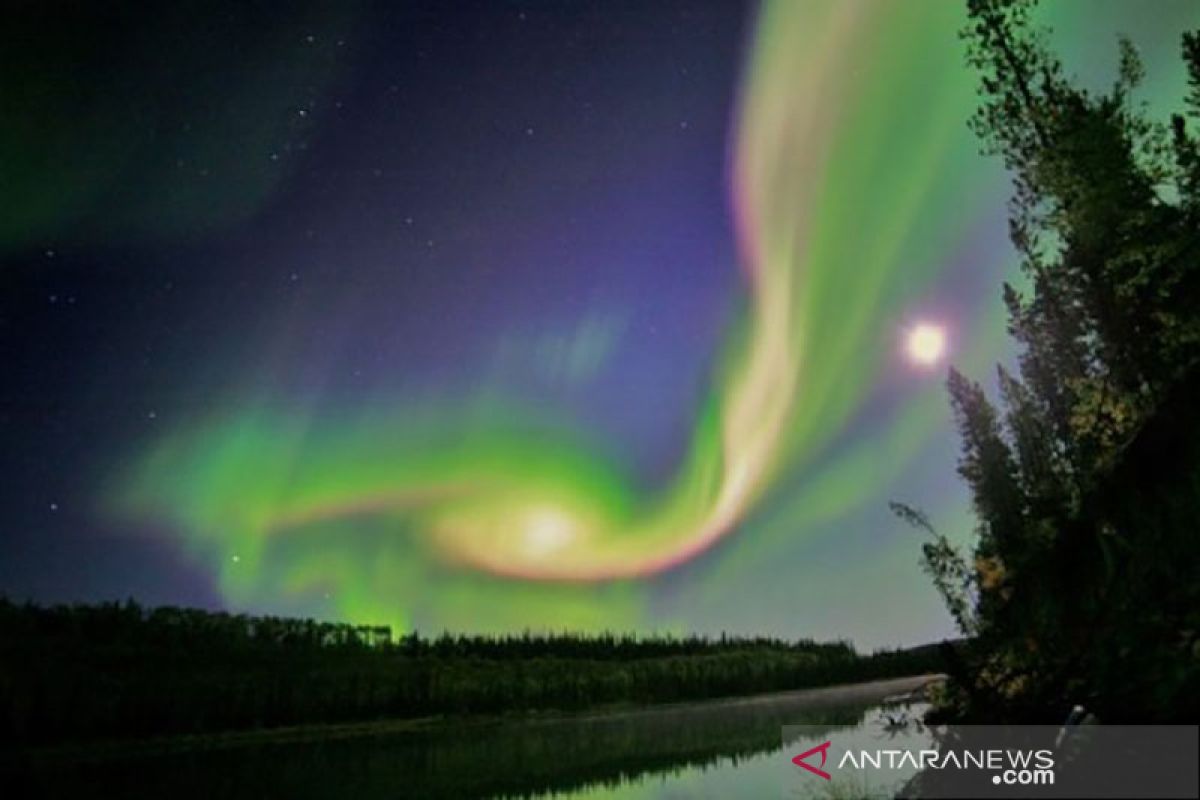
{"x": 856, "y": 186}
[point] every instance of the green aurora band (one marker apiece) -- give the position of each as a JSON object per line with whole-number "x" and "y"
{"x": 855, "y": 187}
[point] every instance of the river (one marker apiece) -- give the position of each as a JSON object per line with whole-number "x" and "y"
{"x": 719, "y": 749}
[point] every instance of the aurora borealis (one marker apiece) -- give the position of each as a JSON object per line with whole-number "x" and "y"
{"x": 648, "y": 374}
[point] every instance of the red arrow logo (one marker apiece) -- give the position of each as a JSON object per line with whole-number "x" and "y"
{"x": 823, "y": 749}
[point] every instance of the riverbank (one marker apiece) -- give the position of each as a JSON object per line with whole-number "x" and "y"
{"x": 883, "y": 692}
{"x": 98, "y": 673}
{"x": 722, "y": 748}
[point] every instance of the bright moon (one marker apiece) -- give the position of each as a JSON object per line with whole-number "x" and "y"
{"x": 926, "y": 344}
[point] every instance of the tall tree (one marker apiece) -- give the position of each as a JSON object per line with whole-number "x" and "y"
{"x": 1104, "y": 215}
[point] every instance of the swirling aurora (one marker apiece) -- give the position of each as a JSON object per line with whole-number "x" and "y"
{"x": 857, "y": 197}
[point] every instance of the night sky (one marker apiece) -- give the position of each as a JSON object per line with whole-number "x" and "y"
{"x": 491, "y": 316}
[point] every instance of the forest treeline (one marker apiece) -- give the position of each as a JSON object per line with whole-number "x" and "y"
{"x": 72, "y": 673}
{"x": 1081, "y": 585}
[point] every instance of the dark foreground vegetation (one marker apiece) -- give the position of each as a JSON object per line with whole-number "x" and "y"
{"x": 118, "y": 670}
{"x": 1083, "y": 582}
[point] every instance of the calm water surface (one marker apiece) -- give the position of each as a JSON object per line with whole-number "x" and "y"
{"x": 723, "y": 749}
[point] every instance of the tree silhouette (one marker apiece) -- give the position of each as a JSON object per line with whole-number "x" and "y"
{"x": 1074, "y": 584}
{"x": 118, "y": 670}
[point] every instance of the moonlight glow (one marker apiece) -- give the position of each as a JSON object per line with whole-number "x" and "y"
{"x": 926, "y": 345}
